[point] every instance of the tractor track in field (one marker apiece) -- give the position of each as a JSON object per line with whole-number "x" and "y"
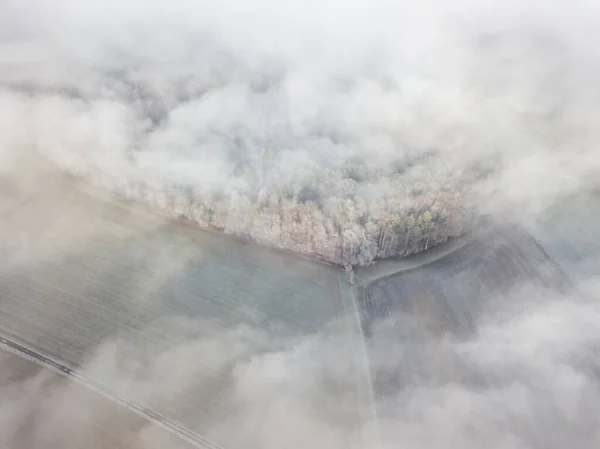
{"x": 22, "y": 350}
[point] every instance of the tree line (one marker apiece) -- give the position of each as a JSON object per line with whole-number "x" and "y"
{"x": 344, "y": 228}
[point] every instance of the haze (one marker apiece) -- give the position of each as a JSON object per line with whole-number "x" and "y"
{"x": 346, "y": 131}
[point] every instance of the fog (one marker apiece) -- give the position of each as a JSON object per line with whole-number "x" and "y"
{"x": 528, "y": 379}
{"x": 310, "y": 126}
{"x": 348, "y": 130}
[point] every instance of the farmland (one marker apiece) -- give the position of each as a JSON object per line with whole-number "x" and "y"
{"x": 164, "y": 315}
{"x": 449, "y": 294}
{"x": 100, "y": 423}
{"x": 570, "y": 233}
{"x": 200, "y": 329}
{"x": 506, "y": 316}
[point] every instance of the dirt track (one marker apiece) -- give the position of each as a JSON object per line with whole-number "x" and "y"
{"x": 141, "y": 304}
{"x": 161, "y": 314}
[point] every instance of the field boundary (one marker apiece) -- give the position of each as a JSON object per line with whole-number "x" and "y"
{"x": 84, "y": 187}
{"x": 390, "y": 267}
{"x": 364, "y": 383}
{"x": 370, "y": 272}
{"x": 81, "y": 185}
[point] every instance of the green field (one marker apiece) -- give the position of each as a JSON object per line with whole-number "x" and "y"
{"x": 174, "y": 318}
